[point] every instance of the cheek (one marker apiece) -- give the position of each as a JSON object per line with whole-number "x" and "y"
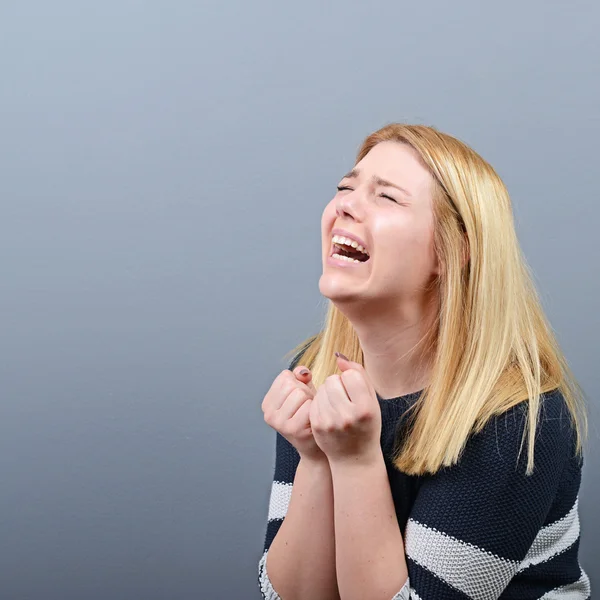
{"x": 412, "y": 245}
{"x": 421, "y": 249}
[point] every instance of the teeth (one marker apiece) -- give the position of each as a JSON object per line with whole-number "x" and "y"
{"x": 346, "y": 258}
{"x": 338, "y": 239}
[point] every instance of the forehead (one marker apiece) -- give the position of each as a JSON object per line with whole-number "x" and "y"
{"x": 399, "y": 163}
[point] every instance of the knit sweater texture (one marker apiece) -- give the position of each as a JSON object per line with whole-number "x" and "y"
{"x": 481, "y": 529}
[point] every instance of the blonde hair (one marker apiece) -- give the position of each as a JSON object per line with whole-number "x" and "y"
{"x": 492, "y": 345}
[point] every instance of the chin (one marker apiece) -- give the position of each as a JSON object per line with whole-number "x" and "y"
{"x": 331, "y": 287}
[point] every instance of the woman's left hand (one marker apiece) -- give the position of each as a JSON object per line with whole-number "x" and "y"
{"x": 345, "y": 416}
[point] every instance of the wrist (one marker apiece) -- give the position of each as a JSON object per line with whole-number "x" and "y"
{"x": 358, "y": 462}
{"x": 315, "y": 461}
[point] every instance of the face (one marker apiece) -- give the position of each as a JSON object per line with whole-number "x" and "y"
{"x": 386, "y": 204}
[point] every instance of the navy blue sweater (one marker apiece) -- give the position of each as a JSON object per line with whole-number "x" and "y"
{"x": 480, "y": 529}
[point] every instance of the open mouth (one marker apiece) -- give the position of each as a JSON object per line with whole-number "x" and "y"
{"x": 347, "y": 249}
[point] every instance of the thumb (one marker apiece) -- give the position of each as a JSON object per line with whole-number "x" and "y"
{"x": 304, "y": 375}
{"x": 345, "y": 363}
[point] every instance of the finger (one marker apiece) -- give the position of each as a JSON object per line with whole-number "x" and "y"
{"x": 336, "y": 393}
{"x": 331, "y": 414}
{"x": 341, "y": 405}
{"x": 304, "y": 375}
{"x": 277, "y": 393}
{"x": 327, "y": 405}
{"x": 301, "y": 419}
{"x": 345, "y": 364}
{"x": 320, "y": 411}
{"x": 357, "y": 388}
{"x": 314, "y": 411}
{"x": 292, "y": 404}
{"x": 280, "y": 389}
{"x": 355, "y": 378}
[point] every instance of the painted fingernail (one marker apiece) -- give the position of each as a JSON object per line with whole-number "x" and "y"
{"x": 340, "y": 355}
{"x": 303, "y": 372}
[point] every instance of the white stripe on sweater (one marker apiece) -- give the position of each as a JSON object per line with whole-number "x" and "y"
{"x": 279, "y": 500}
{"x": 553, "y": 539}
{"x": 579, "y": 590}
{"x": 404, "y": 593}
{"x": 265, "y": 583}
{"x": 421, "y": 539}
{"x": 269, "y": 593}
{"x": 407, "y": 593}
{"x": 477, "y": 573}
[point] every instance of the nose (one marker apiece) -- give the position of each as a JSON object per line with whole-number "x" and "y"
{"x": 350, "y": 204}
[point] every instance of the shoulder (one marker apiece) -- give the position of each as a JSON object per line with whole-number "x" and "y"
{"x": 489, "y": 486}
{"x": 554, "y": 426}
{"x": 501, "y": 447}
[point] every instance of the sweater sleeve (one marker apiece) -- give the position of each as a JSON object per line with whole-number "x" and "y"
{"x": 477, "y": 526}
{"x": 287, "y": 459}
{"x": 286, "y": 463}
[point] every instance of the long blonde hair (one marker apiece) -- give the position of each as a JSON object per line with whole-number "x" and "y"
{"x": 492, "y": 344}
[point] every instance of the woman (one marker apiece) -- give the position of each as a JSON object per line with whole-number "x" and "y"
{"x": 441, "y": 459}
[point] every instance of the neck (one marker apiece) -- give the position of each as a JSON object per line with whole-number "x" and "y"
{"x": 396, "y": 354}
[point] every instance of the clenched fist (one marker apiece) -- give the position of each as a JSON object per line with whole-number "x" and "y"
{"x": 346, "y": 417}
{"x": 286, "y": 408}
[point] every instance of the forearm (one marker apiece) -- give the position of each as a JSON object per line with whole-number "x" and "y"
{"x": 370, "y": 559}
{"x": 301, "y": 559}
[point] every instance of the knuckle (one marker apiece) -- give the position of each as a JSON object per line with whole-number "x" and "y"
{"x": 286, "y": 389}
{"x": 269, "y": 419}
{"x": 316, "y": 425}
{"x": 281, "y": 377}
{"x": 285, "y": 375}
{"x": 347, "y": 424}
{"x": 302, "y": 437}
{"x": 327, "y": 427}
{"x": 295, "y": 393}
{"x": 364, "y": 415}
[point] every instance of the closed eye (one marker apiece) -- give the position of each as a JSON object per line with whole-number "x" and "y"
{"x": 342, "y": 188}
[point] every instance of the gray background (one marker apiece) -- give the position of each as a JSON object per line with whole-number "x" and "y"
{"x": 163, "y": 170}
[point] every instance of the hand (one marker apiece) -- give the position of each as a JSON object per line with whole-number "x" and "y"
{"x": 286, "y": 408}
{"x": 346, "y": 417}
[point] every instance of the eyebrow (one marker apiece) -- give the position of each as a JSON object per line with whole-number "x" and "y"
{"x": 377, "y": 181}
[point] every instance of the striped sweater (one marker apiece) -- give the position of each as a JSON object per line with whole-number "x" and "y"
{"x": 481, "y": 529}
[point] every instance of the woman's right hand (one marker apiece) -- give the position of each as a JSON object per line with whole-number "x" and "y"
{"x": 286, "y": 408}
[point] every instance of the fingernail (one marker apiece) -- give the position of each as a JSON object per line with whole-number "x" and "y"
{"x": 342, "y": 356}
{"x": 303, "y": 372}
